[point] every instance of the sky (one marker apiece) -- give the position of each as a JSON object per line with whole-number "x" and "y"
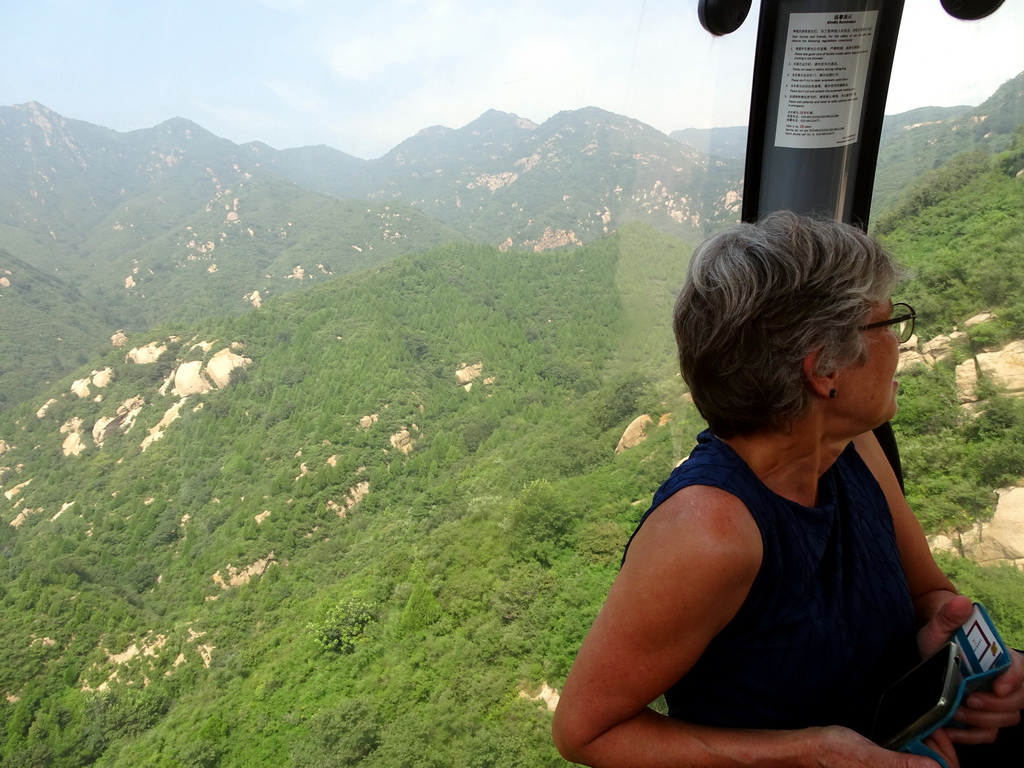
{"x": 363, "y": 75}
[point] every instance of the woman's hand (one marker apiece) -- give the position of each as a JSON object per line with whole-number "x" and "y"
{"x": 947, "y": 618}
{"x": 984, "y": 713}
{"x": 843, "y": 748}
{"x": 941, "y": 743}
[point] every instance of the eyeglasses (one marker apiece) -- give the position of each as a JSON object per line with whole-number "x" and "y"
{"x": 903, "y": 320}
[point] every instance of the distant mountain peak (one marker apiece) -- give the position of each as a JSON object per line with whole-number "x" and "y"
{"x": 184, "y": 127}
{"x": 36, "y": 107}
{"x": 433, "y": 131}
{"x": 495, "y": 118}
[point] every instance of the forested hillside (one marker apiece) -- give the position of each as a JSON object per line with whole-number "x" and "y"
{"x": 961, "y": 231}
{"x": 370, "y": 522}
{"x": 919, "y": 141}
{"x": 419, "y": 551}
{"x": 381, "y": 537}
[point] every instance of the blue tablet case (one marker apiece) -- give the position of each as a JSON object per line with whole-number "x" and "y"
{"x": 984, "y": 657}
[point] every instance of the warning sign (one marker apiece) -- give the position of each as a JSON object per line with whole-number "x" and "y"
{"x": 823, "y": 78}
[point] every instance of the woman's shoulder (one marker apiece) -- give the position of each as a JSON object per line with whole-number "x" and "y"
{"x": 700, "y": 522}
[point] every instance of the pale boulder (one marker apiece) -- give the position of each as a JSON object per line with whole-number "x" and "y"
{"x": 546, "y": 695}
{"x": 967, "y": 381}
{"x": 73, "y": 443}
{"x": 355, "y": 494}
{"x": 1005, "y": 366}
{"x": 123, "y": 418}
{"x": 10, "y": 493}
{"x": 1002, "y": 539}
{"x": 910, "y": 356}
{"x": 219, "y": 369}
{"x": 41, "y": 413}
{"x": 156, "y": 432}
{"x": 635, "y": 433}
{"x": 239, "y": 576}
{"x": 150, "y": 353}
{"x": 189, "y": 379}
{"x": 103, "y": 377}
{"x": 467, "y": 373}
{"x": 402, "y": 441}
{"x": 941, "y": 347}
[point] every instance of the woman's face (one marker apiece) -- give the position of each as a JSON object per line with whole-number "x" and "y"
{"x": 866, "y": 391}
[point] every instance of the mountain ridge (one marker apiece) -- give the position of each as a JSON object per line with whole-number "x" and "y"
{"x": 133, "y": 221}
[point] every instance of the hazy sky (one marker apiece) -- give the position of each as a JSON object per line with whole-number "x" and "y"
{"x": 362, "y": 75}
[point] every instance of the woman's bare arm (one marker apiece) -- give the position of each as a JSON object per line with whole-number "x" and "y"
{"x": 930, "y": 588}
{"x": 940, "y": 611}
{"x": 688, "y": 571}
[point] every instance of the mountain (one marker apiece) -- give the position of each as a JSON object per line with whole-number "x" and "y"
{"x": 505, "y": 180}
{"x": 368, "y": 523}
{"x": 171, "y": 223}
{"x": 336, "y": 529}
{"x": 912, "y": 143}
{"x": 50, "y": 329}
{"x": 729, "y": 142}
{"x": 926, "y": 139}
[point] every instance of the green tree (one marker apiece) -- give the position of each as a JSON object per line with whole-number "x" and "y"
{"x": 343, "y": 626}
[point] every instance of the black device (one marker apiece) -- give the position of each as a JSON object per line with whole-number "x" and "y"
{"x": 920, "y": 699}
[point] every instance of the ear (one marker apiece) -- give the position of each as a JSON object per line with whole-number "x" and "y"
{"x": 820, "y": 384}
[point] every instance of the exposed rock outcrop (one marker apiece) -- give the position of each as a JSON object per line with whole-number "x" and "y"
{"x": 1005, "y": 367}
{"x": 635, "y": 433}
{"x": 100, "y": 378}
{"x": 73, "y": 443}
{"x": 192, "y": 378}
{"x": 156, "y": 432}
{"x": 122, "y": 419}
{"x": 403, "y": 441}
{"x": 222, "y": 364}
{"x": 149, "y": 353}
{"x": 41, "y": 413}
{"x": 239, "y": 576}
{"x": 999, "y": 541}
{"x": 546, "y": 695}
{"x": 467, "y": 373}
{"x": 10, "y": 493}
{"x": 355, "y": 494}
{"x": 967, "y": 382}
{"x": 189, "y": 379}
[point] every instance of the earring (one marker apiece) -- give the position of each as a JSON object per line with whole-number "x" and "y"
{"x": 832, "y": 392}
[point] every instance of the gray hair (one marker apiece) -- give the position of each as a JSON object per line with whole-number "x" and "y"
{"x": 758, "y": 299}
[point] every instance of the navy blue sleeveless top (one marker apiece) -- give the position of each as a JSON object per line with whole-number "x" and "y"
{"x": 828, "y": 623}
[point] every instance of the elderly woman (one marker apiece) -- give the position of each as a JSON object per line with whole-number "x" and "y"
{"x": 779, "y": 581}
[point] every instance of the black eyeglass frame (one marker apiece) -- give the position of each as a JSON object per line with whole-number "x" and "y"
{"x": 902, "y": 318}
